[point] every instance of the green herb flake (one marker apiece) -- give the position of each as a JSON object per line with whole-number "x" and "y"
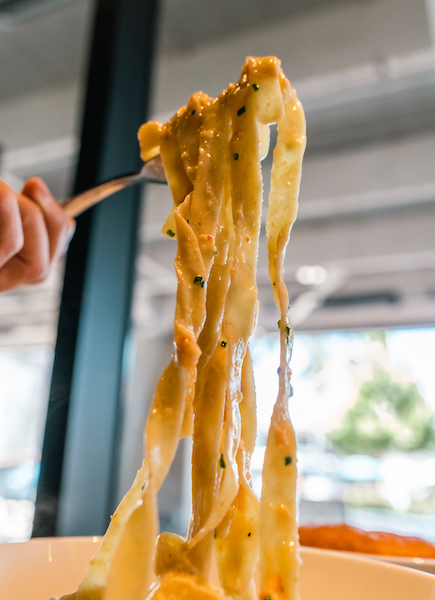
{"x": 193, "y": 112}
{"x": 241, "y": 111}
{"x": 254, "y": 87}
{"x": 222, "y": 462}
{"x": 249, "y": 534}
{"x": 215, "y": 533}
{"x": 288, "y": 332}
{"x": 287, "y": 460}
{"x": 236, "y": 156}
{"x": 199, "y": 281}
{"x": 170, "y": 233}
{"x": 287, "y": 329}
{"x": 268, "y": 597}
{"x": 223, "y": 344}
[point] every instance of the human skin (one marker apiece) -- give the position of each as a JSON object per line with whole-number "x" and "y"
{"x": 34, "y": 233}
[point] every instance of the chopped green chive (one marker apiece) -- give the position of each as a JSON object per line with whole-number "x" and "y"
{"x": 222, "y": 461}
{"x": 215, "y": 533}
{"x": 288, "y": 460}
{"x": 287, "y": 329}
{"x": 241, "y": 111}
{"x": 199, "y": 281}
{"x": 254, "y": 87}
{"x": 170, "y": 233}
{"x": 223, "y": 344}
{"x": 288, "y": 332}
{"x": 268, "y": 597}
{"x": 236, "y": 156}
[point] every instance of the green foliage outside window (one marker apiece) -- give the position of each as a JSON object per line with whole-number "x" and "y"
{"x": 388, "y": 415}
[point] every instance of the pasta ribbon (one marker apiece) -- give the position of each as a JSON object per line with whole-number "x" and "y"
{"x": 211, "y": 151}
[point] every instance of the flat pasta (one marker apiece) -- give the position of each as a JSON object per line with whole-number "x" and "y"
{"x": 211, "y": 151}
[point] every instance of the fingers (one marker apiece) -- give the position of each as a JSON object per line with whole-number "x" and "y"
{"x": 58, "y": 225}
{"x": 34, "y": 231}
{"x": 32, "y": 263}
{"x": 11, "y": 230}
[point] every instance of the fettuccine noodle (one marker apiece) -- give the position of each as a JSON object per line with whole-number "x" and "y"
{"x": 211, "y": 150}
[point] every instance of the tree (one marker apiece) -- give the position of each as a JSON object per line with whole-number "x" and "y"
{"x": 387, "y": 415}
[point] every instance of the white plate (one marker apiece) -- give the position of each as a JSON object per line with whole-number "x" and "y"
{"x": 42, "y": 568}
{"x": 422, "y": 564}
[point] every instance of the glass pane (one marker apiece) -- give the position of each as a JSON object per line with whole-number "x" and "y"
{"x": 28, "y": 319}
{"x": 364, "y": 412}
{"x": 24, "y": 374}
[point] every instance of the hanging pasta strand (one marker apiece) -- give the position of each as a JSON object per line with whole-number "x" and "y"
{"x": 209, "y": 404}
{"x": 236, "y": 540}
{"x": 131, "y": 572}
{"x": 95, "y": 579}
{"x": 279, "y": 544}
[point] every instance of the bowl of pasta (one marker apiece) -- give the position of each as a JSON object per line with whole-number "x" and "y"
{"x": 47, "y": 567}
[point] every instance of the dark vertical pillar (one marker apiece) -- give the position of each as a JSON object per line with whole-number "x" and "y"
{"x": 75, "y": 491}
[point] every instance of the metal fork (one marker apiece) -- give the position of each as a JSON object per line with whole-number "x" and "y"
{"x": 152, "y": 171}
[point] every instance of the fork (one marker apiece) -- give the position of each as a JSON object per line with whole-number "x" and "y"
{"x": 151, "y": 171}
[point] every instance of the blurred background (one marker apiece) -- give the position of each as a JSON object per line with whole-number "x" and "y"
{"x": 360, "y": 265}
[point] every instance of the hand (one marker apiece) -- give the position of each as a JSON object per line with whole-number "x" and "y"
{"x": 34, "y": 232}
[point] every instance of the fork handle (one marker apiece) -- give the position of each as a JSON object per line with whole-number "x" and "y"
{"x": 78, "y": 204}
{"x": 151, "y": 171}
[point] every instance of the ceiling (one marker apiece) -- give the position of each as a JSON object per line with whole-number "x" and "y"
{"x": 41, "y": 48}
{"x": 45, "y": 42}
{"x": 185, "y": 26}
